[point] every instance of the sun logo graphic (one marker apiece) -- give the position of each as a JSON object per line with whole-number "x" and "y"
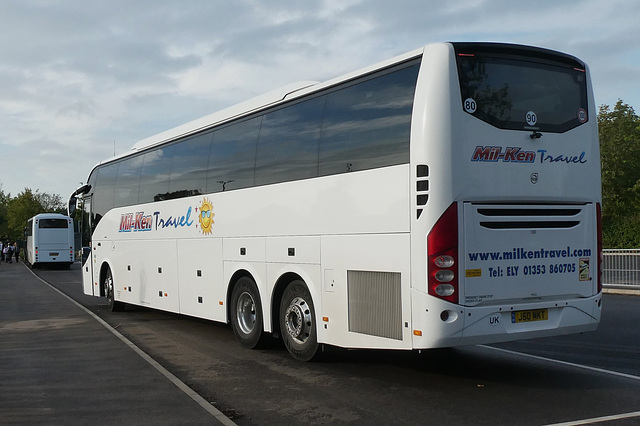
{"x": 205, "y": 217}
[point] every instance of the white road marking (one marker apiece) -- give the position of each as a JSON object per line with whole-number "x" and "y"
{"x": 173, "y": 379}
{"x": 613, "y": 417}
{"x": 570, "y": 364}
{"x": 599, "y": 419}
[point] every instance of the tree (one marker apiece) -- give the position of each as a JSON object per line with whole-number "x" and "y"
{"x": 15, "y": 211}
{"x": 24, "y": 206}
{"x": 620, "y": 155}
{"x": 4, "y": 220}
{"x": 51, "y": 203}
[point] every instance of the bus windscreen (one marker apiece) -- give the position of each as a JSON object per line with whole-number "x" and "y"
{"x": 515, "y": 94}
{"x": 53, "y": 223}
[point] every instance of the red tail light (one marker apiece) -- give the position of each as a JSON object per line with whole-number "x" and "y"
{"x": 442, "y": 255}
{"x": 599, "y": 231}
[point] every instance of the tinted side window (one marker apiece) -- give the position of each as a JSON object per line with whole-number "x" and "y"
{"x": 189, "y": 167}
{"x": 128, "y": 181}
{"x": 154, "y": 177}
{"x": 367, "y": 125}
{"x": 104, "y": 191}
{"x": 288, "y": 143}
{"x": 92, "y": 180}
{"x": 85, "y": 228}
{"x": 233, "y": 156}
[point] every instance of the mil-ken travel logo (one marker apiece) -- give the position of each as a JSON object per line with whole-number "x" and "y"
{"x": 515, "y": 154}
{"x": 205, "y": 217}
{"x": 139, "y": 221}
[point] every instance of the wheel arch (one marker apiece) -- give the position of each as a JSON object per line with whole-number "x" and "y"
{"x": 104, "y": 267}
{"x": 231, "y": 285}
{"x": 276, "y": 296}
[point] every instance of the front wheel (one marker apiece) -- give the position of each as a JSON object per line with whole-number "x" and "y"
{"x": 108, "y": 286}
{"x": 298, "y": 322}
{"x": 246, "y": 313}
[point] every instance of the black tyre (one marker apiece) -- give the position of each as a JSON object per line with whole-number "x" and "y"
{"x": 298, "y": 322}
{"x": 108, "y": 286}
{"x": 246, "y": 313}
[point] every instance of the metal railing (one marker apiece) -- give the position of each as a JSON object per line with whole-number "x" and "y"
{"x": 621, "y": 268}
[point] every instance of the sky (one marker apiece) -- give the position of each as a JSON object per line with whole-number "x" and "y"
{"x": 81, "y": 80}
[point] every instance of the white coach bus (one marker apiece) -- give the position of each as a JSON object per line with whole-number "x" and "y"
{"x": 448, "y": 196}
{"x": 49, "y": 239}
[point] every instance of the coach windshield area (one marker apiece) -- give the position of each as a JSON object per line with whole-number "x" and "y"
{"x": 537, "y": 92}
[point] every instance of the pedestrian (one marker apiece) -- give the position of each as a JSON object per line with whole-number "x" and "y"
{"x": 1, "y": 252}
{"x": 6, "y": 254}
{"x": 16, "y": 252}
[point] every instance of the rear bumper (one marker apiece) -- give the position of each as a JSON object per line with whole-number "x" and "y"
{"x": 445, "y": 324}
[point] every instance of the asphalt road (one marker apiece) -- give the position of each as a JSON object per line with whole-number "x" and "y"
{"x": 535, "y": 382}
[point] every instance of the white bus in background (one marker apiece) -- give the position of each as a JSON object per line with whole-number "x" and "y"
{"x": 445, "y": 197}
{"x": 49, "y": 238}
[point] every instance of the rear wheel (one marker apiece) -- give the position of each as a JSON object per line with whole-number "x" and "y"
{"x": 246, "y": 313}
{"x": 298, "y": 322}
{"x": 108, "y": 286}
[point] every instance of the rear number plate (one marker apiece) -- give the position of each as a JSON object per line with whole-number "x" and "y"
{"x": 527, "y": 316}
{"x": 53, "y": 254}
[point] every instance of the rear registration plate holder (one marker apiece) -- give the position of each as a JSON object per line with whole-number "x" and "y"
{"x": 529, "y": 315}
